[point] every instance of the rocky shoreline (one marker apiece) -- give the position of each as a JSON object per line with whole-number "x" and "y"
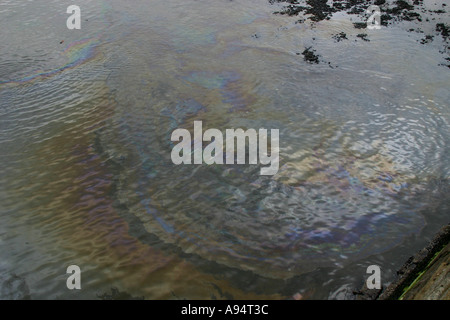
{"x": 428, "y": 21}
{"x": 423, "y": 276}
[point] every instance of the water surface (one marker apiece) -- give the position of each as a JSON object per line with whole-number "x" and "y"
{"x": 87, "y": 179}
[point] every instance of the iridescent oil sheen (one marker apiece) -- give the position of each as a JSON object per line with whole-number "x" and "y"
{"x": 86, "y": 176}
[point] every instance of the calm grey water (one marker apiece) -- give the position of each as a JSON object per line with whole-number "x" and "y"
{"x": 86, "y": 176}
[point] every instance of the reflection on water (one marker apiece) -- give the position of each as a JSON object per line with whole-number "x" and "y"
{"x": 87, "y": 177}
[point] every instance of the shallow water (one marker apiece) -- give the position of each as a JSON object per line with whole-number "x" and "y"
{"x": 87, "y": 178}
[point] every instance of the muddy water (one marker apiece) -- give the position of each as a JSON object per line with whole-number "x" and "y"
{"x": 87, "y": 179}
